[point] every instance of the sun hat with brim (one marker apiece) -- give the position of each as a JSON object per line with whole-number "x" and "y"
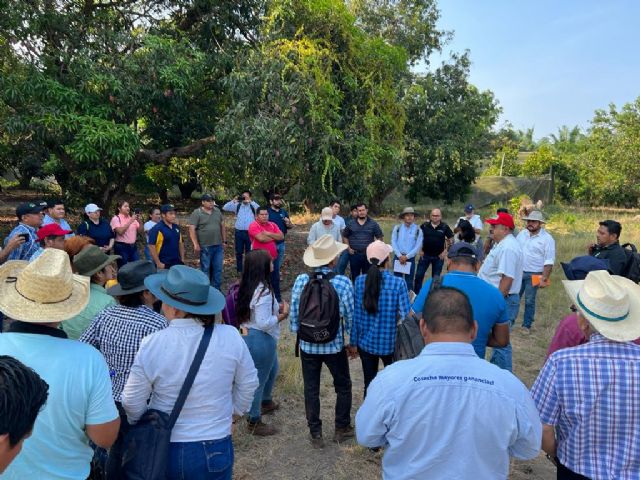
{"x": 91, "y": 260}
{"x": 579, "y": 267}
{"x": 405, "y": 211}
{"x": 610, "y": 303}
{"x": 186, "y": 289}
{"x": 322, "y": 251}
{"x": 131, "y": 278}
{"x": 43, "y": 291}
{"x": 536, "y": 216}
{"x": 378, "y": 250}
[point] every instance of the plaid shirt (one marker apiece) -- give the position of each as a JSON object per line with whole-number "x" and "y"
{"x": 28, "y": 249}
{"x": 591, "y": 394}
{"x": 117, "y": 332}
{"x": 345, "y": 293}
{"x": 376, "y": 334}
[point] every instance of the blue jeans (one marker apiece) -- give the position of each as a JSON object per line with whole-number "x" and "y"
{"x": 262, "y": 347}
{"x": 408, "y": 277}
{"x": 211, "y": 259}
{"x": 343, "y": 261}
{"x": 423, "y": 265}
{"x": 127, "y": 251}
{"x": 147, "y": 255}
{"x": 502, "y": 357}
{"x": 242, "y": 245}
{"x": 204, "y": 460}
{"x": 275, "y": 275}
{"x": 529, "y": 293}
{"x": 359, "y": 264}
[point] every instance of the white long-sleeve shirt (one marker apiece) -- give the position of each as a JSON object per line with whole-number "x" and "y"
{"x": 264, "y": 312}
{"x": 224, "y": 385}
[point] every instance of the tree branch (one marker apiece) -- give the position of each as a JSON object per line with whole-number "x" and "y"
{"x": 164, "y": 156}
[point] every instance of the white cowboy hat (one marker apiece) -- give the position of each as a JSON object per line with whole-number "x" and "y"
{"x": 610, "y": 303}
{"x": 536, "y": 216}
{"x": 322, "y": 251}
{"x": 43, "y": 291}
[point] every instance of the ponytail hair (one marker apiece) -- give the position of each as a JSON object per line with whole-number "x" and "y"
{"x": 373, "y": 285}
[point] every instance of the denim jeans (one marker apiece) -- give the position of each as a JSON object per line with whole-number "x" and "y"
{"x": 528, "y": 292}
{"x": 359, "y": 264}
{"x": 408, "y": 277}
{"x": 343, "y": 261}
{"x": 338, "y": 365}
{"x": 204, "y": 460}
{"x": 275, "y": 275}
{"x": 502, "y": 357}
{"x": 127, "y": 251}
{"x": 423, "y": 265}
{"x": 242, "y": 246}
{"x": 211, "y": 259}
{"x": 147, "y": 254}
{"x": 370, "y": 363}
{"x": 262, "y": 347}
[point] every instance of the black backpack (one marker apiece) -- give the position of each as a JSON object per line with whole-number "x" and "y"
{"x": 631, "y": 268}
{"x": 409, "y": 340}
{"x": 319, "y": 313}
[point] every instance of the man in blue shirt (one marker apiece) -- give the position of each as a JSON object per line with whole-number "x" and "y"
{"x": 488, "y": 304}
{"x": 55, "y": 214}
{"x": 245, "y": 211}
{"x": 280, "y": 217}
{"x": 322, "y": 256}
{"x": 30, "y": 219}
{"x": 406, "y": 240}
{"x": 447, "y": 413}
{"x": 165, "y": 242}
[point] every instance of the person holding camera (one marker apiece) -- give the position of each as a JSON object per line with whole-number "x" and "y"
{"x": 126, "y": 228}
{"x": 22, "y": 243}
{"x": 244, "y": 209}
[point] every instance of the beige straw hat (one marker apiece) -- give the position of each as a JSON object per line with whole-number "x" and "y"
{"x": 610, "y": 303}
{"x": 322, "y": 251}
{"x": 44, "y": 290}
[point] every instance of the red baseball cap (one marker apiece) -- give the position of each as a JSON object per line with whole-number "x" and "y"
{"x": 52, "y": 230}
{"x": 502, "y": 219}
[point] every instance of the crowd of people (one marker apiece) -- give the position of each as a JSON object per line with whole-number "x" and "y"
{"x": 97, "y": 339}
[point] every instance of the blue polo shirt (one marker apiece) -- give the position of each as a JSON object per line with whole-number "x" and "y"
{"x": 277, "y": 217}
{"x": 167, "y": 240}
{"x": 489, "y": 307}
{"x": 101, "y": 233}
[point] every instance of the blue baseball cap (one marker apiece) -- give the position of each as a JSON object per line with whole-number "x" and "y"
{"x": 167, "y": 207}
{"x": 468, "y": 208}
{"x": 579, "y": 267}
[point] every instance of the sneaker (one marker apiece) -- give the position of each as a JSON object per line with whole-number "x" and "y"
{"x": 261, "y": 429}
{"x": 269, "y": 407}
{"x": 317, "y": 441}
{"x": 525, "y": 331}
{"x": 343, "y": 433}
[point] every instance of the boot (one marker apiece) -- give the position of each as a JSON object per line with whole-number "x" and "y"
{"x": 261, "y": 429}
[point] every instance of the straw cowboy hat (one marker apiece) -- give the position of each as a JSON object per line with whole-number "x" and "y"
{"x": 322, "y": 251}
{"x": 536, "y": 216}
{"x": 610, "y": 303}
{"x": 187, "y": 289}
{"x": 44, "y": 290}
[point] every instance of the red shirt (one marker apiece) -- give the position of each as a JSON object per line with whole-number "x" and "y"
{"x": 255, "y": 228}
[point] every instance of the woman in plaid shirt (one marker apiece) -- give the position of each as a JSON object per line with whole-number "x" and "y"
{"x": 380, "y": 299}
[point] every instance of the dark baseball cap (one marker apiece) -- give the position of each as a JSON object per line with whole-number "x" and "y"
{"x": 579, "y": 267}
{"x": 468, "y": 208}
{"x": 31, "y": 207}
{"x": 207, "y": 197}
{"x": 167, "y": 207}
{"x": 462, "y": 249}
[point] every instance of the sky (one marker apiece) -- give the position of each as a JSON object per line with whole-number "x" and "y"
{"x": 549, "y": 63}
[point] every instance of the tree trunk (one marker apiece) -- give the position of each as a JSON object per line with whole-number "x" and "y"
{"x": 187, "y": 188}
{"x": 164, "y": 195}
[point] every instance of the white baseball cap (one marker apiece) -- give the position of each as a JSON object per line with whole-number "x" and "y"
{"x": 91, "y": 208}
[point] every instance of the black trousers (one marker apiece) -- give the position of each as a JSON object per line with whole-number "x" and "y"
{"x": 565, "y": 474}
{"x": 338, "y": 365}
{"x": 359, "y": 264}
{"x": 113, "y": 469}
{"x": 370, "y": 364}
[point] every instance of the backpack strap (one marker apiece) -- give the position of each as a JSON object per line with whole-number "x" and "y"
{"x": 193, "y": 371}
